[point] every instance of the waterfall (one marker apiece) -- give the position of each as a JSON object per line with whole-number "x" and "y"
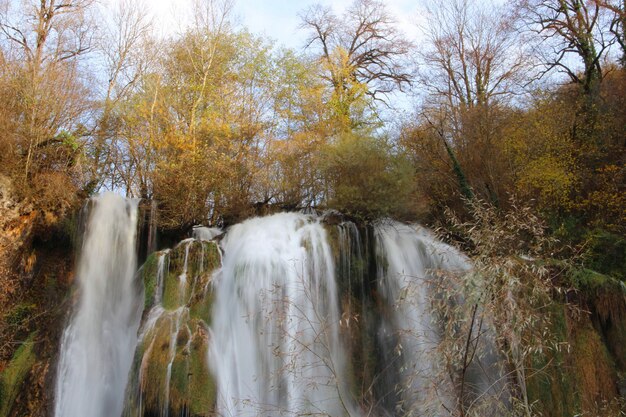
{"x": 412, "y": 260}
{"x": 290, "y": 314}
{"x": 275, "y": 336}
{"x": 97, "y": 345}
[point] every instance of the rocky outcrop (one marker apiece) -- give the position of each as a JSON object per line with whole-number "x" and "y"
{"x": 170, "y": 375}
{"x": 36, "y": 257}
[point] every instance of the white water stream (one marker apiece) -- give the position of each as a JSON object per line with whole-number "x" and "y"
{"x": 275, "y": 343}
{"x": 413, "y": 257}
{"x": 99, "y": 342}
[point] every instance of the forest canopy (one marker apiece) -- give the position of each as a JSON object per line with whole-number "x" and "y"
{"x": 217, "y": 124}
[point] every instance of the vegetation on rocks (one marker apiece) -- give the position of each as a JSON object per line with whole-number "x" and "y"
{"x": 170, "y": 371}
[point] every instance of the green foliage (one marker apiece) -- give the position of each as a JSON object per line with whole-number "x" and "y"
{"x": 69, "y": 140}
{"x": 606, "y": 253}
{"x": 20, "y": 313}
{"x": 12, "y": 378}
{"x": 364, "y": 178}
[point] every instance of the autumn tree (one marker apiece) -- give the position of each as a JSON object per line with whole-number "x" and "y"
{"x": 124, "y": 47}
{"x": 361, "y": 54}
{"x": 472, "y": 67}
{"x": 196, "y": 127}
{"x": 43, "y": 43}
{"x": 300, "y": 126}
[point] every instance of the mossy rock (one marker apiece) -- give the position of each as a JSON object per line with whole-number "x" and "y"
{"x": 202, "y": 387}
{"x": 551, "y": 383}
{"x": 192, "y": 388}
{"x": 580, "y": 377}
{"x": 149, "y": 277}
{"x": 605, "y": 297}
{"x": 14, "y": 375}
{"x": 202, "y": 259}
{"x": 155, "y": 364}
{"x": 594, "y": 368}
{"x": 187, "y": 307}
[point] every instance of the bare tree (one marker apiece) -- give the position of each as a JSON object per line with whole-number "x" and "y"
{"x": 125, "y": 58}
{"x": 363, "y": 47}
{"x": 617, "y": 10}
{"x": 473, "y": 61}
{"x": 473, "y": 55}
{"x": 570, "y": 27}
{"x": 48, "y": 30}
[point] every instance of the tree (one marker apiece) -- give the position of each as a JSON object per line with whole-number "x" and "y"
{"x": 43, "y": 43}
{"x": 365, "y": 179}
{"x": 123, "y": 47}
{"x": 570, "y": 27}
{"x": 473, "y": 55}
{"x": 360, "y": 52}
{"x": 617, "y": 10}
{"x": 472, "y": 67}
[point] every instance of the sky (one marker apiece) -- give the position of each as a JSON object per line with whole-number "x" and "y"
{"x": 278, "y": 19}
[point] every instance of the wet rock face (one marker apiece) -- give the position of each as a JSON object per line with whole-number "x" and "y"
{"x": 170, "y": 374}
{"x": 34, "y": 284}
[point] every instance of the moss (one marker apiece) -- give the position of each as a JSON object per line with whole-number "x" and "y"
{"x": 576, "y": 379}
{"x": 179, "y": 381}
{"x": 20, "y": 313}
{"x": 201, "y": 306}
{"x": 594, "y": 368}
{"x": 212, "y": 258}
{"x": 589, "y": 280}
{"x": 605, "y": 297}
{"x": 191, "y": 386}
{"x": 202, "y": 387}
{"x": 155, "y": 369}
{"x": 551, "y": 383}
{"x": 14, "y": 375}
{"x": 192, "y": 389}
{"x": 606, "y": 253}
{"x": 149, "y": 275}
{"x": 199, "y": 267}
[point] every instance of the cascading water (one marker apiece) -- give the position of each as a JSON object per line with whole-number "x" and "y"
{"x": 275, "y": 335}
{"x": 292, "y": 316}
{"x": 98, "y": 344}
{"x": 412, "y": 258}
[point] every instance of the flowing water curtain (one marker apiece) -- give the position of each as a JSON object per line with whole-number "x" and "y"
{"x": 305, "y": 315}
{"x": 444, "y": 343}
{"x": 276, "y": 346}
{"x": 98, "y": 344}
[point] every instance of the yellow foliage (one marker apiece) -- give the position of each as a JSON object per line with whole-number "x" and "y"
{"x": 606, "y": 203}
{"x": 549, "y": 179}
